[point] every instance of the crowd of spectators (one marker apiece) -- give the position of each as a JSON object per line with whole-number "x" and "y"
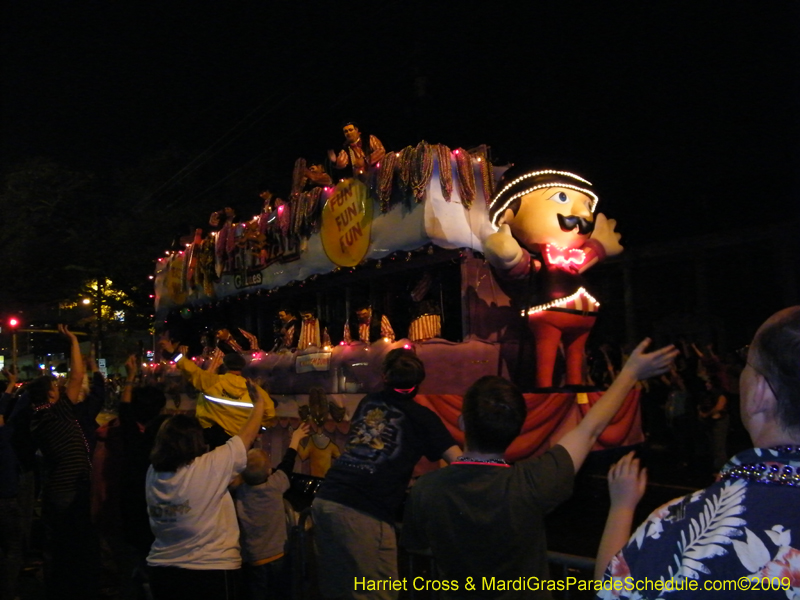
{"x": 185, "y": 505}
{"x": 689, "y": 411}
{"x": 735, "y": 536}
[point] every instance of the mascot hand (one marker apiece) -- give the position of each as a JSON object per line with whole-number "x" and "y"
{"x": 604, "y": 234}
{"x": 501, "y": 249}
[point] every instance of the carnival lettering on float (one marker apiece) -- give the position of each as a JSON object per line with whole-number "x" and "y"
{"x": 347, "y": 223}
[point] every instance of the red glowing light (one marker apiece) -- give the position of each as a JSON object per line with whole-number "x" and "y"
{"x": 13, "y": 322}
{"x": 565, "y": 256}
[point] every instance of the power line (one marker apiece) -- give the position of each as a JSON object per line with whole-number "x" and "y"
{"x": 206, "y": 155}
{"x": 227, "y": 138}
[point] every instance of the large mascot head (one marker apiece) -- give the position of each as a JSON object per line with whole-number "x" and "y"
{"x": 544, "y": 206}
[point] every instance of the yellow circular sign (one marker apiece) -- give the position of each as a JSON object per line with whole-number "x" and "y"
{"x": 347, "y": 223}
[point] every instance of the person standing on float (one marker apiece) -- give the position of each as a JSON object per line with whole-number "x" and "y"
{"x": 547, "y": 236}
{"x": 359, "y": 153}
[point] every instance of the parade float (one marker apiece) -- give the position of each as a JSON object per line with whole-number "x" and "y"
{"x": 406, "y": 234}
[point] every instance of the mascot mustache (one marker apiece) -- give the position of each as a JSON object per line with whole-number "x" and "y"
{"x": 585, "y": 227}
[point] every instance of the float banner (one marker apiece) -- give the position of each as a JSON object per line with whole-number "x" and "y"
{"x": 176, "y": 284}
{"x": 346, "y": 223}
{"x": 320, "y": 361}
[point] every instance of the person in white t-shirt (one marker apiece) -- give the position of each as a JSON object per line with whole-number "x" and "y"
{"x": 196, "y": 551}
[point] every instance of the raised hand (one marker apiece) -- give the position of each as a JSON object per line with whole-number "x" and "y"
{"x": 76, "y": 368}
{"x": 299, "y": 434}
{"x": 626, "y": 485}
{"x": 11, "y": 376}
{"x": 131, "y": 367}
{"x": 645, "y": 365}
{"x": 255, "y": 390}
{"x": 64, "y": 330}
{"x": 91, "y": 362}
{"x": 626, "y": 482}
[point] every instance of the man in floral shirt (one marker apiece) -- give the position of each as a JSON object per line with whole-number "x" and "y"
{"x": 740, "y": 537}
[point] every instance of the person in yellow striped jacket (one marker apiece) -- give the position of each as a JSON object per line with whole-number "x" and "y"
{"x": 224, "y": 399}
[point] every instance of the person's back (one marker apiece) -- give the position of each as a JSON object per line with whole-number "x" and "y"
{"x": 191, "y": 514}
{"x": 354, "y": 510}
{"x": 388, "y": 435}
{"x": 262, "y": 520}
{"x": 261, "y": 515}
{"x": 485, "y": 521}
{"x": 196, "y": 551}
{"x": 139, "y": 421}
{"x": 481, "y": 518}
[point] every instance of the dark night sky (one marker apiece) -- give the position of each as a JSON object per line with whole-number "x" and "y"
{"x": 684, "y": 115}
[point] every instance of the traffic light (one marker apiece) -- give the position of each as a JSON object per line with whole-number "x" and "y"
{"x": 13, "y": 324}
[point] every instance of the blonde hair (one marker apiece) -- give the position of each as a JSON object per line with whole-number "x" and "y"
{"x": 257, "y": 470}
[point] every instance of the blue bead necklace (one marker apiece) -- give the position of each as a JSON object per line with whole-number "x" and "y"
{"x": 771, "y": 474}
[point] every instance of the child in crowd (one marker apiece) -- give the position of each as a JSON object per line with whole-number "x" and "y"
{"x": 262, "y": 522}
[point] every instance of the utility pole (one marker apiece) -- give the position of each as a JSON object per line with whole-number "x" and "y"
{"x": 98, "y": 307}
{"x": 13, "y": 324}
